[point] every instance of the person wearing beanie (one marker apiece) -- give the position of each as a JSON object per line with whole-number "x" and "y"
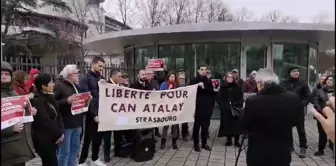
{"x": 302, "y": 90}
{"x": 16, "y": 142}
{"x": 250, "y": 85}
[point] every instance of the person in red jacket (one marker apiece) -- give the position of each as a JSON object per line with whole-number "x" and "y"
{"x": 19, "y": 87}
{"x": 32, "y": 75}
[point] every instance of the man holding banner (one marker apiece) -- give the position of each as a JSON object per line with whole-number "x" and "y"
{"x": 122, "y": 108}
{"x": 204, "y": 105}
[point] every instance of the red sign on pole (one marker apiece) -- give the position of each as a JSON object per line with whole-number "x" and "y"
{"x": 156, "y": 64}
{"x": 14, "y": 110}
{"x": 215, "y": 84}
{"x": 80, "y": 103}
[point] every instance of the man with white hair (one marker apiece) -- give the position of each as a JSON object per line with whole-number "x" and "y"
{"x": 269, "y": 118}
{"x": 65, "y": 88}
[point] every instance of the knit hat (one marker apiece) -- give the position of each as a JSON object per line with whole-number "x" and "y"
{"x": 5, "y": 66}
{"x": 291, "y": 69}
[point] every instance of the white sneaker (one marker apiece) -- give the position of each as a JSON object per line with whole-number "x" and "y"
{"x": 97, "y": 163}
{"x": 84, "y": 164}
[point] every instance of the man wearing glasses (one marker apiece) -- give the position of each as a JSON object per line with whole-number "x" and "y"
{"x": 301, "y": 89}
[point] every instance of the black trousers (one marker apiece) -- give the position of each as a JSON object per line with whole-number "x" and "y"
{"x": 185, "y": 129}
{"x": 118, "y": 140}
{"x": 21, "y": 164}
{"x": 323, "y": 139}
{"x": 202, "y": 121}
{"x": 91, "y": 134}
{"x": 107, "y": 142}
{"x": 48, "y": 154}
{"x": 300, "y": 127}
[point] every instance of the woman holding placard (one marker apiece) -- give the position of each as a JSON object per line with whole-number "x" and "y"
{"x": 170, "y": 83}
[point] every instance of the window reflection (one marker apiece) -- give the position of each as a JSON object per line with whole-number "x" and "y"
{"x": 179, "y": 56}
{"x": 286, "y": 55}
{"x": 143, "y": 54}
{"x": 255, "y": 57}
{"x": 220, "y": 57}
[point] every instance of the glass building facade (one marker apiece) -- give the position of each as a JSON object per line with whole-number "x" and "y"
{"x": 222, "y": 57}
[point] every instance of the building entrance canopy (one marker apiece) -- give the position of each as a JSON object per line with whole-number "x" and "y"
{"x": 324, "y": 34}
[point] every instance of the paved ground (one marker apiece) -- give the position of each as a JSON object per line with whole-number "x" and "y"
{"x": 221, "y": 155}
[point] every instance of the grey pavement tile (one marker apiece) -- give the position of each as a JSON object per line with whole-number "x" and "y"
{"x": 220, "y": 154}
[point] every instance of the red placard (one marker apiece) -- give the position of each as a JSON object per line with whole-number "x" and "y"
{"x": 215, "y": 84}
{"x": 14, "y": 110}
{"x": 156, "y": 64}
{"x": 80, "y": 103}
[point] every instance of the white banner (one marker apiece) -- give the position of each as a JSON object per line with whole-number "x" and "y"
{"x": 122, "y": 108}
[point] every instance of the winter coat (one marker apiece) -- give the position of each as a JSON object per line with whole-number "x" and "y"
{"x": 89, "y": 83}
{"x": 321, "y": 97}
{"x": 20, "y": 89}
{"x": 48, "y": 124}
{"x": 204, "y": 97}
{"x": 154, "y": 84}
{"x": 269, "y": 118}
{"x": 250, "y": 86}
{"x": 139, "y": 86}
{"x": 30, "y": 83}
{"x": 16, "y": 148}
{"x": 63, "y": 90}
{"x": 300, "y": 88}
{"x": 229, "y": 93}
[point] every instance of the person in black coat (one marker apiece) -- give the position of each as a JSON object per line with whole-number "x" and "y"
{"x": 269, "y": 118}
{"x": 302, "y": 90}
{"x": 320, "y": 99}
{"x": 230, "y": 94}
{"x": 89, "y": 83}
{"x": 203, "y": 112}
{"x": 65, "y": 91}
{"x": 141, "y": 83}
{"x": 48, "y": 123}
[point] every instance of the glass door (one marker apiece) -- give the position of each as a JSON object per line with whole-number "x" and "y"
{"x": 255, "y": 57}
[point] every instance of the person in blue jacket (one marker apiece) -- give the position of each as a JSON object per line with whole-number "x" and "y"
{"x": 170, "y": 83}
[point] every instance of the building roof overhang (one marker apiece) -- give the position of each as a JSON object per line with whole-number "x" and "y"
{"x": 115, "y": 42}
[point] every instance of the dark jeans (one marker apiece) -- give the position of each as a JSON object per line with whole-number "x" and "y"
{"x": 107, "y": 142}
{"x": 91, "y": 134}
{"x": 201, "y": 122}
{"x": 322, "y": 141}
{"x": 118, "y": 140}
{"x": 301, "y": 131}
{"x": 21, "y": 164}
{"x": 185, "y": 129}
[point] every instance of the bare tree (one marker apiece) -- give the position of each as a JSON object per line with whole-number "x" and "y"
{"x": 289, "y": 19}
{"x": 272, "y": 16}
{"x": 125, "y": 10}
{"x": 175, "y": 12}
{"x": 217, "y": 11}
{"x": 243, "y": 15}
{"x": 151, "y": 12}
{"x": 195, "y": 11}
{"x": 321, "y": 18}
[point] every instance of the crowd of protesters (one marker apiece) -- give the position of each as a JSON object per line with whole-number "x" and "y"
{"x": 56, "y": 134}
